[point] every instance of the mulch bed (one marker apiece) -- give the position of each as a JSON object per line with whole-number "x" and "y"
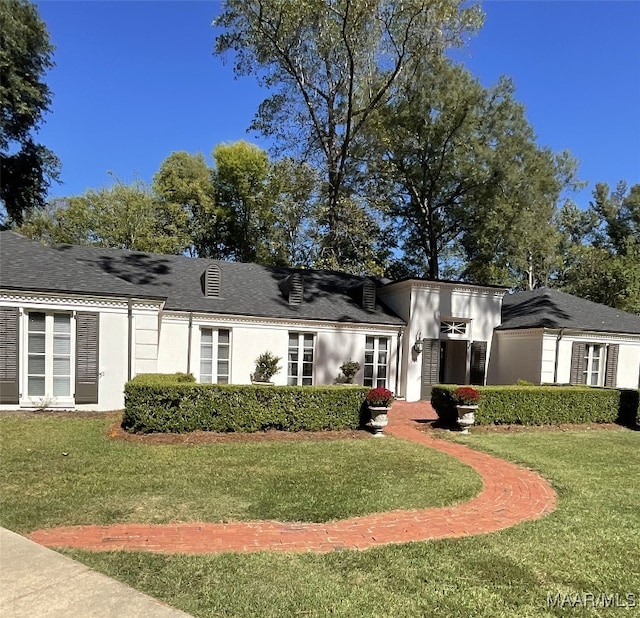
{"x": 209, "y": 437}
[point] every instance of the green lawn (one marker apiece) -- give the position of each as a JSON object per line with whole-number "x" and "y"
{"x": 100, "y": 481}
{"x": 590, "y": 544}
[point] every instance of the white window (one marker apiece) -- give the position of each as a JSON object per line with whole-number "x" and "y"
{"x": 215, "y": 348}
{"x": 48, "y": 355}
{"x": 453, "y": 327}
{"x": 300, "y": 359}
{"x": 376, "y": 362}
{"x": 594, "y": 358}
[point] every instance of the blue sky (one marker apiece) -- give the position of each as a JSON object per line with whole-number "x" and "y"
{"x": 135, "y": 81}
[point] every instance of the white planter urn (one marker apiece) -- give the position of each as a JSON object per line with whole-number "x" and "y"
{"x": 466, "y": 417}
{"x": 379, "y": 420}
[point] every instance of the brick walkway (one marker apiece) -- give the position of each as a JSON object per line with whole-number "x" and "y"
{"x": 510, "y": 495}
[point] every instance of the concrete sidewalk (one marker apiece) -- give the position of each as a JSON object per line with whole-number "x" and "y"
{"x": 36, "y": 581}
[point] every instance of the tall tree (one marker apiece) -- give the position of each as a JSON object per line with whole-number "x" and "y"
{"x": 601, "y": 248}
{"x": 185, "y": 180}
{"x": 330, "y": 64}
{"x": 122, "y": 216}
{"x": 240, "y": 180}
{"x": 292, "y": 191}
{"x": 469, "y": 181}
{"x": 26, "y": 167}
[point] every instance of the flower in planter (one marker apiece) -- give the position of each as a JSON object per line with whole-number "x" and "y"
{"x": 466, "y": 396}
{"x": 379, "y": 398}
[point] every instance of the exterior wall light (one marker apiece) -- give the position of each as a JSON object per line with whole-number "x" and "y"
{"x": 417, "y": 346}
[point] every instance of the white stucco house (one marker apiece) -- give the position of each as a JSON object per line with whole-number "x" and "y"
{"x": 77, "y": 322}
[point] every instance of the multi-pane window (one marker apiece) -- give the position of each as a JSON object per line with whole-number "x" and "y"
{"x": 215, "y": 346}
{"x": 376, "y": 361}
{"x": 594, "y": 364}
{"x": 453, "y": 327}
{"x": 300, "y": 359}
{"x": 49, "y": 355}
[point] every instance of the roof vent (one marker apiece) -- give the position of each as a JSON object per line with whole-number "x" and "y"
{"x": 293, "y": 288}
{"x": 211, "y": 281}
{"x": 369, "y": 295}
{"x": 364, "y": 294}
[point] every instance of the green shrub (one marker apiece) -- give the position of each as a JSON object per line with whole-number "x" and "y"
{"x": 156, "y": 406}
{"x": 266, "y": 367}
{"x": 164, "y": 378}
{"x": 542, "y": 405}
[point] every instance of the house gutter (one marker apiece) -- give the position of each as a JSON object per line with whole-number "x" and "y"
{"x": 399, "y": 359}
{"x": 189, "y": 342}
{"x": 555, "y": 365}
{"x": 129, "y": 337}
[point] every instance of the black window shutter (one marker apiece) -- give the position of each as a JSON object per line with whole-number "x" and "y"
{"x": 478, "y": 362}
{"x": 87, "y": 346}
{"x": 612, "y": 365}
{"x": 578, "y": 351}
{"x": 430, "y": 366}
{"x": 9, "y": 355}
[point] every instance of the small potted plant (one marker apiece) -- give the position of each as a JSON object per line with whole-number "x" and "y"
{"x": 266, "y": 367}
{"x": 379, "y": 401}
{"x": 349, "y": 369}
{"x": 466, "y": 399}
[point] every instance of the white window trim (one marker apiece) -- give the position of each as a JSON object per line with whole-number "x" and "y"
{"x": 48, "y": 400}
{"x": 300, "y": 362}
{"x": 376, "y": 363}
{"x": 215, "y": 347}
{"x": 588, "y": 366}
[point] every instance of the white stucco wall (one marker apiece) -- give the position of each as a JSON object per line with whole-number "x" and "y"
{"x": 423, "y": 304}
{"x": 628, "y": 356}
{"x": 334, "y": 343}
{"x": 517, "y": 355}
{"x": 113, "y": 345}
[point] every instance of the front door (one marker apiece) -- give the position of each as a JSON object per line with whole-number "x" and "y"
{"x": 453, "y": 362}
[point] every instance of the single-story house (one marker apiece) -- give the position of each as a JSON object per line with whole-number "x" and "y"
{"x": 547, "y": 336}
{"x": 77, "y": 322}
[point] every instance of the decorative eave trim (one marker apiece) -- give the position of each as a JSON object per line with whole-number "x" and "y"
{"x": 62, "y": 300}
{"x": 220, "y": 318}
{"x": 592, "y": 335}
{"x": 465, "y": 288}
{"x": 519, "y": 332}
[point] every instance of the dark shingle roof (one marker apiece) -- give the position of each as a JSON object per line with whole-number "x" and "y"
{"x": 27, "y": 265}
{"x": 547, "y": 308}
{"x": 246, "y": 289}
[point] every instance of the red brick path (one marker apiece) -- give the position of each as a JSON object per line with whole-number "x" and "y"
{"x": 510, "y": 495}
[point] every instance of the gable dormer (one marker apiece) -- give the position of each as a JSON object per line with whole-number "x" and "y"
{"x": 211, "y": 281}
{"x": 292, "y": 288}
{"x": 364, "y": 293}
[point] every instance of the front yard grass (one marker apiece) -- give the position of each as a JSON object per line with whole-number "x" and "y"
{"x": 65, "y": 471}
{"x": 590, "y": 544}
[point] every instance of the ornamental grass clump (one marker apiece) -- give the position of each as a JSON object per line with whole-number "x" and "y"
{"x": 466, "y": 396}
{"x": 379, "y": 398}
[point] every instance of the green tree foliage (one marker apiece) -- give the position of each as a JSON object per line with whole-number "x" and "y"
{"x": 601, "y": 248}
{"x": 292, "y": 195}
{"x": 122, "y": 216}
{"x": 240, "y": 181}
{"x": 185, "y": 181}
{"x": 329, "y": 66}
{"x": 26, "y": 167}
{"x": 473, "y": 194}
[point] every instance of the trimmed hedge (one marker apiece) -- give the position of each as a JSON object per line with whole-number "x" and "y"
{"x": 153, "y": 405}
{"x": 542, "y": 405}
